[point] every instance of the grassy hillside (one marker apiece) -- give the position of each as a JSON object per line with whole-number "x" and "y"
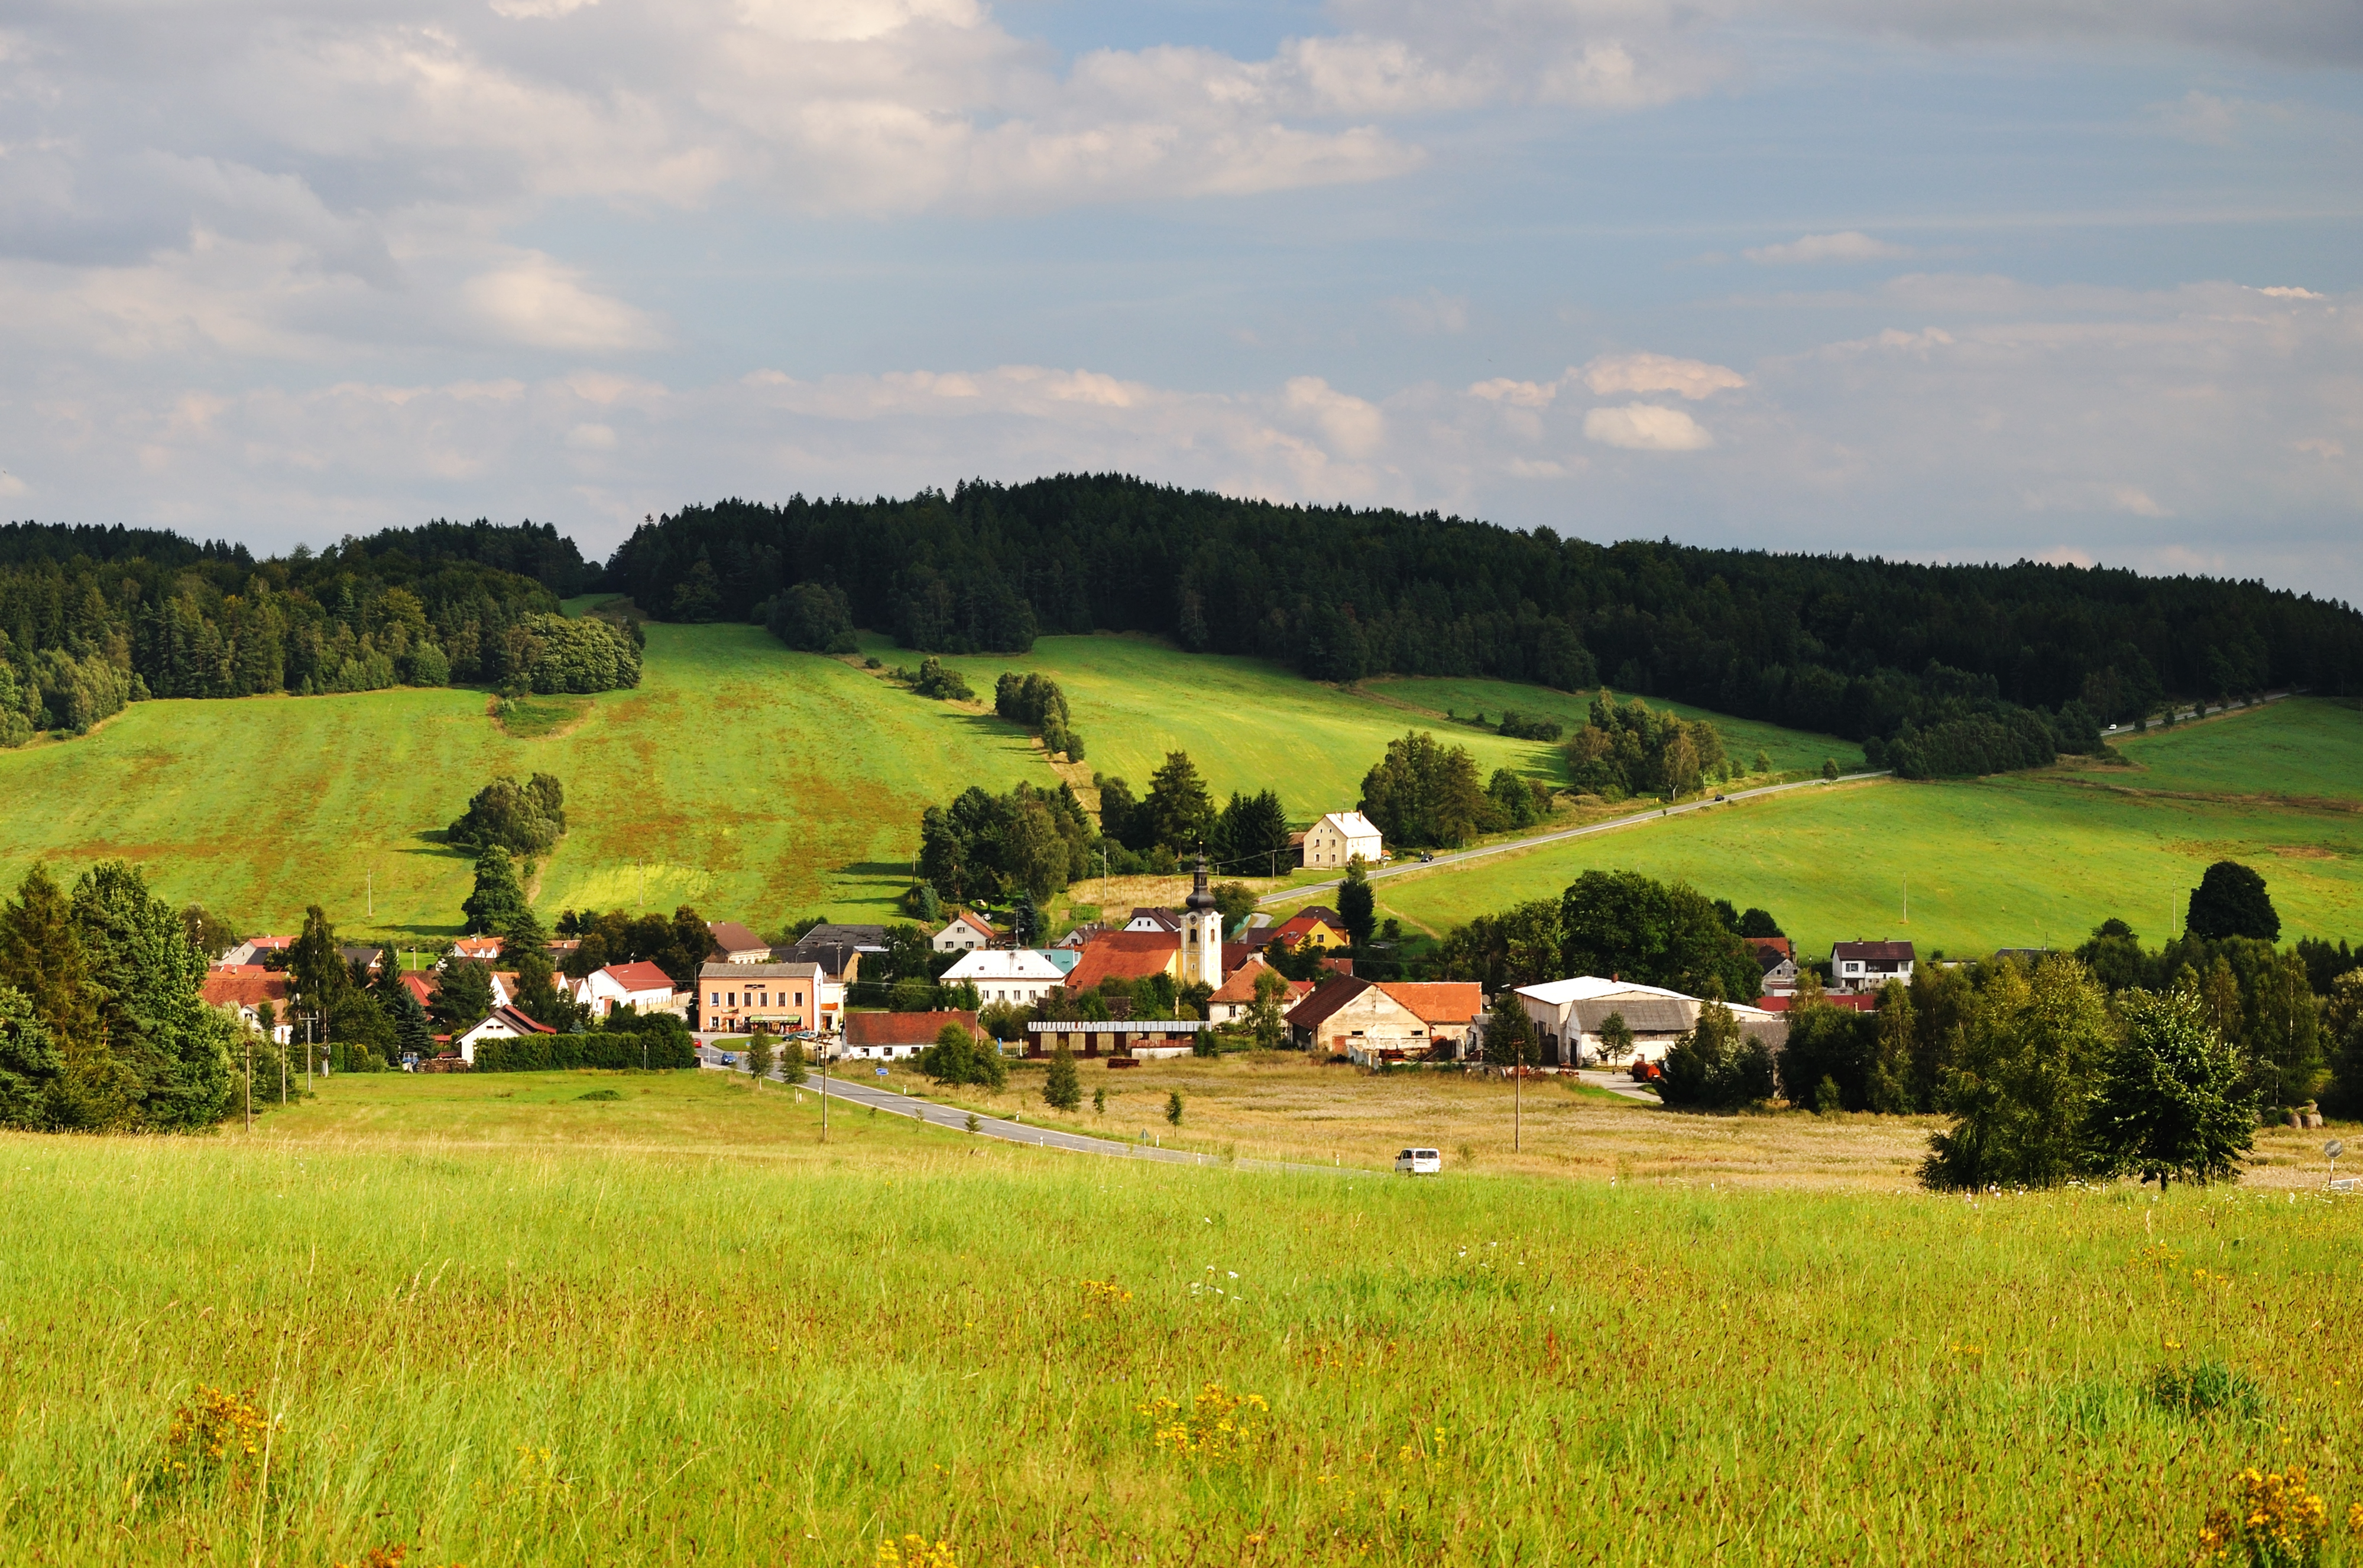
{"x": 1790, "y": 750}
{"x": 2023, "y": 860}
{"x": 2302, "y": 748}
{"x": 581, "y": 1340}
{"x": 751, "y": 782}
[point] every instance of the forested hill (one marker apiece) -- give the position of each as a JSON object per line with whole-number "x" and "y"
{"x": 1855, "y": 647}
{"x": 91, "y": 618}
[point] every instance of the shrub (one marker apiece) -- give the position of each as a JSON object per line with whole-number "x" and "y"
{"x": 1717, "y": 1066}
{"x": 958, "y": 1057}
{"x": 525, "y": 819}
{"x": 656, "y": 1041}
{"x": 813, "y": 617}
{"x": 556, "y": 653}
{"x": 1525, "y": 726}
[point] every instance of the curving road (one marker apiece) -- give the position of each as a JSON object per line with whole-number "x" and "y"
{"x": 1406, "y": 867}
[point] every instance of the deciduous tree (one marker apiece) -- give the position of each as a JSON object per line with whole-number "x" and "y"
{"x": 2171, "y": 1101}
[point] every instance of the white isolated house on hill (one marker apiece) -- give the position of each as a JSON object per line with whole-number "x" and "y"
{"x": 1340, "y": 837}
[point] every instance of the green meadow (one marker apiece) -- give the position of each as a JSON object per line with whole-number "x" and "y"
{"x": 1792, "y": 751}
{"x": 2306, "y": 749}
{"x": 674, "y": 1328}
{"x": 740, "y": 777}
{"x": 2021, "y": 860}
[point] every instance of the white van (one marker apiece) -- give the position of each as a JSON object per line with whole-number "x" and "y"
{"x": 1420, "y": 1162}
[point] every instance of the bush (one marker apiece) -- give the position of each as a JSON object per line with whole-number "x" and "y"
{"x": 934, "y": 680}
{"x": 958, "y": 1057}
{"x": 811, "y": 617}
{"x": 656, "y": 1041}
{"x": 526, "y": 819}
{"x": 589, "y": 655}
{"x": 1526, "y": 727}
{"x": 1717, "y": 1066}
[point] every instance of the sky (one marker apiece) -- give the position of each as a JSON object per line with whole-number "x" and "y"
{"x": 1945, "y": 280}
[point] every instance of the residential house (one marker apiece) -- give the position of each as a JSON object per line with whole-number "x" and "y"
{"x": 480, "y": 949}
{"x": 734, "y": 944}
{"x": 966, "y": 932}
{"x": 1373, "y": 1020}
{"x": 1230, "y": 1003}
{"x": 368, "y": 960}
{"x": 1063, "y": 959}
{"x": 255, "y": 950}
{"x": 1779, "y": 963}
{"x": 421, "y": 985}
{"x": 501, "y": 1023}
{"x": 1570, "y": 1014}
{"x": 1316, "y": 923}
{"x": 641, "y": 987}
{"x": 1342, "y": 836}
{"x": 1154, "y": 920}
{"x": 887, "y": 1036}
{"x": 1867, "y": 966}
{"x": 248, "y": 991}
{"x": 1083, "y": 935}
{"x": 837, "y": 949}
{"x": 1126, "y": 955}
{"x": 771, "y": 998}
{"x": 1016, "y": 976}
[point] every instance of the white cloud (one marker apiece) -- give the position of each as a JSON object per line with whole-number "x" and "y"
{"x": 2289, "y": 294}
{"x": 543, "y": 305}
{"x": 1692, "y": 378}
{"x": 1851, "y": 244}
{"x": 1647, "y": 427}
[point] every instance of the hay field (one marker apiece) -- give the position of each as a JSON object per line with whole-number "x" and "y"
{"x": 587, "y": 1332}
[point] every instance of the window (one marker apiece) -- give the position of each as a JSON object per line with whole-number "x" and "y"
{"x": 714, "y": 1001}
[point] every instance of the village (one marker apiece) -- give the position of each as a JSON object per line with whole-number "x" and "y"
{"x": 1249, "y": 980}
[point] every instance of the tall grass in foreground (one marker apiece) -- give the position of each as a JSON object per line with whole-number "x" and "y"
{"x": 489, "y": 1357}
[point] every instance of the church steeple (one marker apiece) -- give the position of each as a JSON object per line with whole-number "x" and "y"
{"x": 1201, "y": 934}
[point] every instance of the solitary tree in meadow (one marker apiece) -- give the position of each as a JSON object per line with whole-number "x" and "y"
{"x": 2170, "y": 1102}
{"x": 1062, "y": 1090}
{"x": 1173, "y": 1107}
{"x": 759, "y": 1058}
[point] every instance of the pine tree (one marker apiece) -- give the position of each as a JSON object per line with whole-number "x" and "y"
{"x": 1357, "y": 905}
{"x": 1509, "y": 1032}
{"x": 412, "y": 1032}
{"x": 1062, "y": 1090}
{"x": 41, "y": 955}
{"x": 1173, "y": 1107}
{"x": 29, "y": 1065}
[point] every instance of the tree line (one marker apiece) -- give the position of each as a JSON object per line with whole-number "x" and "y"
{"x": 1845, "y": 645}
{"x": 92, "y": 619}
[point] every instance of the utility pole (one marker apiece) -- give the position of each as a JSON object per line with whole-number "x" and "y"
{"x": 369, "y": 883}
{"x": 822, "y": 1046}
{"x": 1907, "y": 897}
{"x": 249, "y": 1083}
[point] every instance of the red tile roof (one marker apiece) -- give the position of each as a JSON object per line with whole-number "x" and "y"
{"x": 1437, "y": 1001}
{"x": 1777, "y": 943}
{"x": 245, "y": 990}
{"x": 477, "y": 948}
{"x": 520, "y": 1022}
{"x": 640, "y": 976}
{"x": 422, "y": 986}
{"x": 901, "y": 1028}
{"x": 1125, "y": 955}
{"x": 1847, "y": 1001}
{"x": 1241, "y": 985}
{"x": 732, "y": 937}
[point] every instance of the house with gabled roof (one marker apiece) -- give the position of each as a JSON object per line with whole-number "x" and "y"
{"x": 735, "y": 943}
{"x": 480, "y": 949}
{"x": 965, "y": 933}
{"x": 1340, "y": 837}
{"x": 1126, "y": 955}
{"x": 1017, "y": 975}
{"x": 1231, "y": 1001}
{"x": 889, "y": 1036}
{"x": 501, "y": 1023}
{"x": 245, "y": 992}
{"x": 642, "y": 987}
{"x": 1570, "y": 1015}
{"x": 1373, "y": 1020}
{"x": 1867, "y": 966}
{"x": 782, "y": 998}
{"x": 837, "y": 949}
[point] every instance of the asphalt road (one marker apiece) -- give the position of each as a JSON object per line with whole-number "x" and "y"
{"x": 856, "y": 1091}
{"x": 1405, "y": 868}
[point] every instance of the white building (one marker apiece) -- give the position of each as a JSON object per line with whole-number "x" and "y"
{"x": 641, "y": 987}
{"x": 1202, "y": 934}
{"x": 1017, "y": 975}
{"x": 502, "y": 1023}
{"x": 1868, "y": 965}
{"x": 966, "y": 933}
{"x": 1568, "y": 1016}
{"x": 1340, "y": 837}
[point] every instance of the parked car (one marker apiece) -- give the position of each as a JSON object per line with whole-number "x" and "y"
{"x": 1425, "y": 855}
{"x": 1420, "y": 1162}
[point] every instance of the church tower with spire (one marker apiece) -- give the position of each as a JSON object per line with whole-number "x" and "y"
{"x": 1202, "y": 935}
